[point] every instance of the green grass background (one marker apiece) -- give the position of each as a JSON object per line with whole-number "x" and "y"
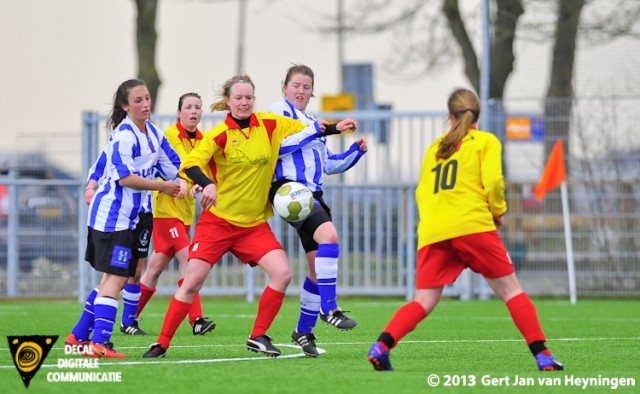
{"x": 464, "y": 340}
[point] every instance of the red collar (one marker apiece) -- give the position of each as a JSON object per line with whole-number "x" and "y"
{"x": 253, "y": 122}
{"x": 184, "y": 133}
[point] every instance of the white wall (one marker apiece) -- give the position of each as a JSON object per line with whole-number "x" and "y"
{"x": 60, "y": 57}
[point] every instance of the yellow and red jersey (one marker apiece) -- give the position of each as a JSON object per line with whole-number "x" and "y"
{"x": 241, "y": 162}
{"x": 462, "y": 194}
{"x": 166, "y": 206}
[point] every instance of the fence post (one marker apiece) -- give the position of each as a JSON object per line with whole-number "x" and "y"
{"x": 13, "y": 238}
{"x": 410, "y": 261}
{"x": 248, "y": 278}
{"x": 89, "y": 153}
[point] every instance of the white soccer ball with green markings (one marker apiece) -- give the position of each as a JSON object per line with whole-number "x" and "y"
{"x": 293, "y": 201}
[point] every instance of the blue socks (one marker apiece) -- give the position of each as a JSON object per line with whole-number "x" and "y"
{"x": 105, "y": 311}
{"x": 309, "y": 307}
{"x": 83, "y": 328}
{"x": 130, "y": 299}
{"x": 327, "y": 274}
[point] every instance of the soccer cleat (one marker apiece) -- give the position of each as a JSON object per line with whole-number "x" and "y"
{"x": 104, "y": 350}
{"x": 132, "y": 329}
{"x": 338, "y": 319}
{"x": 307, "y": 342}
{"x": 379, "y": 358}
{"x": 155, "y": 351}
{"x": 548, "y": 363}
{"x": 72, "y": 341}
{"x": 202, "y": 326}
{"x": 262, "y": 343}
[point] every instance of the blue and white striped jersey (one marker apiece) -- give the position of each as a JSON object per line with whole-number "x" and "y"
{"x": 311, "y": 161}
{"x": 128, "y": 152}
{"x": 96, "y": 173}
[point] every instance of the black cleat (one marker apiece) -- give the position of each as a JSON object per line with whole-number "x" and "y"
{"x": 155, "y": 351}
{"x": 262, "y": 343}
{"x": 307, "y": 342}
{"x": 202, "y": 326}
{"x": 132, "y": 329}
{"x": 338, "y": 319}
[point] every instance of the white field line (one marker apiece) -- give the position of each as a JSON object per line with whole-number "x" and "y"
{"x": 165, "y": 361}
{"x": 299, "y": 355}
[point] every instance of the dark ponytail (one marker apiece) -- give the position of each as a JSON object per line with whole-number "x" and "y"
{"x": 120, "y": 98}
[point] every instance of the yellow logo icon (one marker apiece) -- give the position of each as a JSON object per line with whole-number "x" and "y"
{"x": 29, "y": 352}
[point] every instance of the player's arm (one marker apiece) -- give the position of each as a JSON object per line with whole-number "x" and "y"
{"x": 169, "y": 162}
{"x": 492, "y": 178}
{"x": 193, "y": 165}
{"x": 296, "y": 135}
{"x": 337, "y": 163}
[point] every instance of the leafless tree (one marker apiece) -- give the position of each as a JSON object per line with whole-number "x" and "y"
{"x": 424, "y": 31}
{"x": 146, "y": 38}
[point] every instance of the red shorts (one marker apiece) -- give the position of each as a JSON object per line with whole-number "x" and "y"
{"x": 214, "y": 237}
{"x": 441, "y": 263}
{"x": 170, "y": 235}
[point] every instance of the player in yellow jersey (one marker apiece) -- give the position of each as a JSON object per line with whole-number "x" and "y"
{"x": 461, "y": 202}
{"x": 234, "y": 166}
{"x": 172, "y": 217}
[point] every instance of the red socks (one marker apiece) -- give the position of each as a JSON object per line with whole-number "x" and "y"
{"x": 268, "y": 307}
{"x": 524, "y": 315}
{"x": 145, "y": 295}
{"x": 404, "y": 321}
{"x": 175, "y": 315}
{"x": 196, "y": 307}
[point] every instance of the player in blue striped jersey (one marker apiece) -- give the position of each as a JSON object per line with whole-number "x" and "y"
{"x": 132, "y": 290}
{"x": 308, "y": 165}
{"x": 136, "y": 154}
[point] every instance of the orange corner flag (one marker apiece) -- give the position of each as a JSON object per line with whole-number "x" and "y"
{"x": 554, "y": 173}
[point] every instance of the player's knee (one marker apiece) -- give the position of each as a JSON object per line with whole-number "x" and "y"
{"x": 326, "y": 234}
{"x": 155, "y": 275}
{"x": 286, "y": 274}
{"x": 330, "y": 238}
{"x": 190, "y": 287}
{"x": 282, "y": 274}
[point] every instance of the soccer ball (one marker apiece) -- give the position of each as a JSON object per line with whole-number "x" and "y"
{"x": 293, "y": 201}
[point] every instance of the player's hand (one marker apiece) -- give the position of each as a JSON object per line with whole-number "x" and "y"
{"x": 322, "y": 124}
{"x": 209, "y": 196}
{"x": 184, "y": 188}
{"x": 347, "y": 125}
{"x": 88, "y": 194}
{"x": 362, "y": 144}
{"x": 498, "y": 221}
{"x": 195, "y": 190}
{"x": 90, "y": 191}
{"x": 170, "y": 188}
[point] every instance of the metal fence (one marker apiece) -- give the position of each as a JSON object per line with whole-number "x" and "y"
{"x": 375, "y": 213}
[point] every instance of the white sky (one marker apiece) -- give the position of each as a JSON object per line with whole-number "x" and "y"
{"x": 60, "y": 57}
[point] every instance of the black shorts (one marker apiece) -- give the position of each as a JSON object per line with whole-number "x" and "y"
{"x": 321, "y": 213}
{"x": 142, "y": 234}
{"x": 113, "y": 252}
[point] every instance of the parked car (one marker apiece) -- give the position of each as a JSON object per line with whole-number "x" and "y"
{"x": 47, "y": 215}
